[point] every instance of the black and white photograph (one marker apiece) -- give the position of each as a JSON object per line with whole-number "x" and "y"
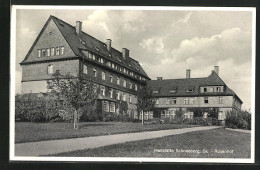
{"x": 132, "y": 84}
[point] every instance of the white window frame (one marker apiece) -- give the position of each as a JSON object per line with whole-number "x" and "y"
{"x": 117, "y": 81}
{"x": 85, "y": 69}
{"x": 48, "y": 52}
{"x": 50, "y": 69}
{"x": 221, "y": 101}
{"x": 57, "y": 51}
{"x": 124, "y": 97}
{"x": 118, "y": 95}
{"x": 103, "y": 90}
{"x": 52, "y": 51}
{"x": 111, "y": 94}
{"x": 112, "y": 107}
{"x": 39, "y": 52}
{"x": 103, "y": 75}
{"x": 130, "y": 99}
{"x": 135, "y": 87}
{"x": 95, "y": 72}
{"x": 106, "y": 106}
{"x": 61, "y": 50}
{"x": 111, "y": 79}
{"x": 124, "y": 83}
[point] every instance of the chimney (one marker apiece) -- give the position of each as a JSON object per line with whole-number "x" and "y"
{"x": 109, "y": 42}
{"x": 125, "y": 53}
{"x": 78, "y": 27}
{"x": 159, "y": 78}
{"x": 188, "y": 73}
{"x": 216, "y": 69}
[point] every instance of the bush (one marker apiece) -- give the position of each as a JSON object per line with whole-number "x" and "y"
{"x": 241, "y": 120}
{"x": 188, "y": 121}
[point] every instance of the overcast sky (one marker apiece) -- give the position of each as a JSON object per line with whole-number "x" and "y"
{"x": 166, "y": 43}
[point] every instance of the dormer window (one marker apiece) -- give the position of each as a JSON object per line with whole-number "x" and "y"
{"x": 57, "y": 50}
{"x": 205, "y": 89}
{"x": 124, "y": 70}
{"x": 113, "y": 65}
{"x": 155, "y": 91}
{"x": 93, "y": 57}
{"x": 190, "y": 89}
{"x": 172, "y": 91}
{"x": 108, "y": 64}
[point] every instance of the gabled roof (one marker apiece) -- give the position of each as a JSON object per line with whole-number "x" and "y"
{"x": 164, "y": 86}
{"x": 87, "y": 42}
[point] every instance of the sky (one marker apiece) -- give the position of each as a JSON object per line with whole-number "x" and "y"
{"x": 165, "y": 42}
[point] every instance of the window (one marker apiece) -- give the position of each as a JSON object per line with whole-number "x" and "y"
{"x": 124, "y": 83}
{"x": 48, "y": 52}
{"x": 120, "y": 69}
{"x": 155, "y": 91}
{"x": 43, "y": 52}
{"x": 39, "y": 53}
{"x": 103, "y": 75}
{"x": 111, "y": 79}
{"x": 52, "y": 51}
{"x": 220, "y": 100}
{"x": 102, "y": 61}
{"x": 61, "y": 50}
{"x": 85, "y": 69}
{"x": 135, "y": 87}
{"x": 172, "y": 91}
{"x": 113, "y": 65}
{"x": 190, "y": 89}
{"x": 117, "y": 95}
{"x": 50, "y": 69}
{"x": 117, "y": 81}
{"x": 167, "y": 101}
{"x": 157, "y": 101}
{"x": 102, "y": 90}
{"x": 116, "y": 67}
{"x": 204, "y": 89}
{"x": 130, "y": 99}
{"x": 205, "y": 115}
{"x": 106, "y": 106}
{"x": 206, "y": 100}
{"x": 93, "y": 57}
{"x": 173, "y": 101}
{"x": 124, "y": 70}
{"x": 221, "y": 115}
{"x": 130, "y": 85}
{"x": 111, "y": 94}
{"x": 108, "y": 64}
{"x": 191, "y": 101}
{"x": 90, "y": 55}
{"x": 186, "y": 101}
{"x": 112, "y": 107}
{"x": 124, "y": 99}
{"x": 57, "y": 50}
{"x": 218, "y": 89}
{"x": 95, "y": 72}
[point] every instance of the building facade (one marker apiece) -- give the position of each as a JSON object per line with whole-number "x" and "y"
{"x": 66, "y": 48}
{"x": 191, "y": 93}
{"x": 117, "y": 76}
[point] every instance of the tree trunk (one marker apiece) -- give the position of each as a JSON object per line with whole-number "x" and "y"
{"x": 142, "y": 117}
{"x": 76, "y": 119}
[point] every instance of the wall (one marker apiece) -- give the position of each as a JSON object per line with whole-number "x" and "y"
{"x": 34, "y": 86}
{"x": 198, "y": 102}
{"x": 38, "y": 71}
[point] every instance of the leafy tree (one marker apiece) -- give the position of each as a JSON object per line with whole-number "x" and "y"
{"x": 76, "y": 92}
{"x": 145, "y": 101}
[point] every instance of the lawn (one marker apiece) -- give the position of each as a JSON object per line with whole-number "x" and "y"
{"x": 217, "y": 143}
{"x": 30, "y": 132}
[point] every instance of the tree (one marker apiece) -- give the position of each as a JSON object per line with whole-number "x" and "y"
{"x": 76, "y": 92}
{"x": 145, "y": 101}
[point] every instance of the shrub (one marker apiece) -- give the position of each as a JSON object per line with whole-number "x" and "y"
{"x": 241, "y": 120}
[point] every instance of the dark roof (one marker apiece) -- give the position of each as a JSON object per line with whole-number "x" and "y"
{"x": 91, "y": 44}
{"x": 182, "y": 85}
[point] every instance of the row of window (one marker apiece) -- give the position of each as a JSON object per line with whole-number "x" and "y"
{"x": 113, "y": 65}
{"x": 192, "y": 89}
{"x": 189, "y": 115}
{"x": 187, "y": 101}
{"x": 46, "y": 52}
{"x": 109, "y": 106}
{"x": 85, "y": 71}
{"x": 117, "y": 93}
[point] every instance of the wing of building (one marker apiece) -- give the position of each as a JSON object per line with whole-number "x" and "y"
{"x": 207, "y": 92}
{"x": 61, "y": 46}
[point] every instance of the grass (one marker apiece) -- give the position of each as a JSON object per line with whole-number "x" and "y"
{"x": 210, "y": 140}
{"x": 31, "y": 132}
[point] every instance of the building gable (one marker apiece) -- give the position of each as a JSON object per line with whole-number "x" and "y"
{"x": 49, "y": 38}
